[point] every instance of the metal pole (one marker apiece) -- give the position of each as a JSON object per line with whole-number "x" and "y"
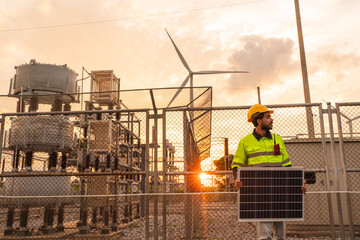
{"x": 131, "y": 138}
{"x": 226, "y": 151}
{"x": 1, "y": 138}
{"x": 82, "y": 88}
{"x": 226, "y": 156}
{"x": 258, "y": 93}
{"x": 336, "y": 169}
{"x": 156, "y": 183}
{"x": 147, "y": 225}
{"x": 164, "y": 172}
{"x": 343, "y": 163}
{"x": 304, "y": 71}
{"x": 327, "y": 173}
{"x": 188, "y": 198}
{"x": 302, "y": 53}
{"x": 191, "y": 91}
{"x": 142, "y": 177}
{"x": 351, "y": 129}
{"x": 21, "y": 100}
{"x": 156, "y": 174}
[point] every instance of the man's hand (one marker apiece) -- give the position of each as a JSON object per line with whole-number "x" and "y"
{"x": 238, "y": 184}
{"x": 303, "y": 188}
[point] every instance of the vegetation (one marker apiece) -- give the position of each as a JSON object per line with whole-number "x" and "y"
{"x": 220, "y": 163}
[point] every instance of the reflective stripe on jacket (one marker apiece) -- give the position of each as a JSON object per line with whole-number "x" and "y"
{"x": 260, "y": 153}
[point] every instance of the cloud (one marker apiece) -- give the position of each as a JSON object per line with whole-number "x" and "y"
{"x": 45, "y": 7}
{"x": 333, "y": 74}
{"x": 274, "y": 65}
{"x": 268, "y": 60}
{"x": 336, "y": 65}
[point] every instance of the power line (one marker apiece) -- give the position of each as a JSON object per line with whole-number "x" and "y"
{"x": 129, "y": 18}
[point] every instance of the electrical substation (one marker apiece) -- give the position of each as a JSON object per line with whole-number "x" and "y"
{"x": 67, "y": 143}
{"x": 83, "y": 159}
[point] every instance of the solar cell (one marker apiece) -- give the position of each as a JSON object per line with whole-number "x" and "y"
{"x": 271, "y": 194}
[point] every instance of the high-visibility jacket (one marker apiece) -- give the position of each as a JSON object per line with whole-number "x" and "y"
{"x": 257, "y": 151}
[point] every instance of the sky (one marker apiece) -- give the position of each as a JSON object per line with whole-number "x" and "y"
{"x": 259, "y": 36}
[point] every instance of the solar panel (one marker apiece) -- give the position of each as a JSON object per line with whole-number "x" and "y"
{"x": 271, "y": 194}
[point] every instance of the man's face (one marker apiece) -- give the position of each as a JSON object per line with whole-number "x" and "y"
{"x": 266, "y": 123}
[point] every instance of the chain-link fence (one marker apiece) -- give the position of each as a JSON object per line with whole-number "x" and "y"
{"x": 228, "y": 126}
{"x": 348, "y": 115}
{"x": 165, "y": 173}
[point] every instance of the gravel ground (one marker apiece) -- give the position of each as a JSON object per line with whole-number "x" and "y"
{"x": 212, "y": 229}
{"x": 213, "y": 223}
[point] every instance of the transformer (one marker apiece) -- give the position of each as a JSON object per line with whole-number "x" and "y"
{"x": 105, "y": 88}
{"x": 44, "y": 79}
{"x": 41, "y": 133}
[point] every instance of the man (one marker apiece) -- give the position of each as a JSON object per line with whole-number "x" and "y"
{"x": 262, "y": 149}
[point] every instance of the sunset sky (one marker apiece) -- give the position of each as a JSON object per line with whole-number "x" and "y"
{"x": 129, "y": 37}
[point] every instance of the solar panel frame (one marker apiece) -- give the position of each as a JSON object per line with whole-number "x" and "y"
{"x": 271, "y": 194}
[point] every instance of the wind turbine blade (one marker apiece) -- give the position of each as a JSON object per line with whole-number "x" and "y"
{"x": 180, "y": 89}
{"x": 179, "y": 54}
{"x": 218, "y": 72}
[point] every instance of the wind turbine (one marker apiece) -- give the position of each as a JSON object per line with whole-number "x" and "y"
{"x": 191, "y": 73}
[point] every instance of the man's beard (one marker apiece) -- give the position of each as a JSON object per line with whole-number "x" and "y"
{"x": 266, "y": 127}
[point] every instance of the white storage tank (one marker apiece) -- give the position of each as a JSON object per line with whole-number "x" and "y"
{"x": 38, "y": 78}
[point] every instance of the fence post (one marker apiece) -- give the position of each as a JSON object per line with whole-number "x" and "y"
{"x": 147, "y": 205}
{"x": 187, "y": 187}
{"x": 226, "y": 159}
{"x": 164, "y": 173}
{"x": 343, "y": 165}
{"x": 327, "y": 172}
{"x": 1, "y": 139}
{"x": 335, "y": 167}
{"x": 156, "y": 174}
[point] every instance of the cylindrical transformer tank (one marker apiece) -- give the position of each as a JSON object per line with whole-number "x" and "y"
{"x": 41, "y": 133}
{"x": 37, "y": 78}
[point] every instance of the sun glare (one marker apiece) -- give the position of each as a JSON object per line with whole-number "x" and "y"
{"x": 204, "y": 176}
{"x": 206, "y": 180}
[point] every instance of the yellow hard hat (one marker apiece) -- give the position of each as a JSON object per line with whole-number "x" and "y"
{"x": 257, "y": 108}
